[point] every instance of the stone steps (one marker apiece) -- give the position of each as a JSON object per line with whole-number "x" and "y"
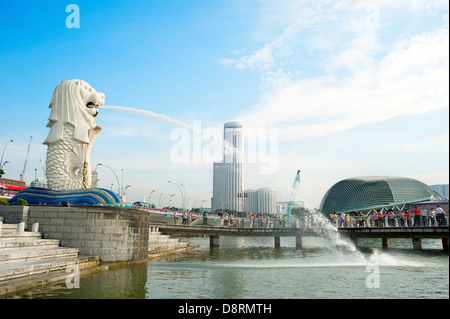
{"x": 158, "y": 243}
{"x": 27, "y": 243}
{"x": 25, "y": 254}
{"x": 16, "y": 270}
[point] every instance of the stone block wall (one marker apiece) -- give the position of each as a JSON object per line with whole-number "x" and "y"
{"x": 14, "y": 214}
{"x": 115, "y": 234}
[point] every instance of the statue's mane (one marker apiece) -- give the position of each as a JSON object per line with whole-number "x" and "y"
{"x": 68, "y": 106}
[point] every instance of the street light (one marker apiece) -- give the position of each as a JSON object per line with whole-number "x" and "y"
{"x": 170, "y": 200}
{"x": 166, "y": 197}
{"x": 3, "y": 153}
{"x": 150, "y": 195}
{"x": 159, "y": 202}
{"x": 182, "y": 195}
{"x": 118, "y": 184}
{"x": 123, "y": 192}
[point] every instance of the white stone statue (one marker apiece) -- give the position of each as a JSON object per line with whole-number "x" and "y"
{"x": 72, "y": 133}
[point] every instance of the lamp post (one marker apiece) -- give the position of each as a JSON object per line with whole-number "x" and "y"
{"x": 184, "y": 197}
{"x": 123, "y": 192}
{"x": 3, "y": 153}
{"x": 170, "y": 200}
{"x": 166, "y": 197}
{"x": 159, "y": 202}
{"x": 181, "y": 192}
{"x": 150, "y": 195}
{"x": 118, "y": 184}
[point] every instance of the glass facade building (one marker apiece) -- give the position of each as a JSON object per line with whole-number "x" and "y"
{"x": 364, "y": 193}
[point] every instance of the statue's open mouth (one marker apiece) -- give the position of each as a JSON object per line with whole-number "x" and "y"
{"x": 92, "y": 104}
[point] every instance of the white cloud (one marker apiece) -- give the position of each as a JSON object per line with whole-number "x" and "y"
{"x": 411, "y": 79}
{"x": 440, "y": 143}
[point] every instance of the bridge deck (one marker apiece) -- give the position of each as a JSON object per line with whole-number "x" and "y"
{"x": 229, "y": 231}
{"x": 415, "y": 233}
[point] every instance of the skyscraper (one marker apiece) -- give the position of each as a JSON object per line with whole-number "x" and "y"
{"x": 218, "y": 198}
{"x": 228, "y": 175}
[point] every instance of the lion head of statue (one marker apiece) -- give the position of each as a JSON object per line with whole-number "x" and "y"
{"x": 73, "y": 102}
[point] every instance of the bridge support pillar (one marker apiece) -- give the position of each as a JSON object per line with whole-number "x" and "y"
{"x": 417, "y": 243}
{"x": 298, "y": 241}
{"x": 385, "y": 242}
{"x": 277, "y": 241}
{"x": 445, "y": 244}
{"x": 214, "y": 241}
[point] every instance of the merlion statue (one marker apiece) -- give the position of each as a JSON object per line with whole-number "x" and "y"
{"x": 72, "y": 132}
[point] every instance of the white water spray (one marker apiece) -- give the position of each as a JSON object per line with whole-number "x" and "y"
{"x": 228, "y": 147}
{"x": 151, "y": 114}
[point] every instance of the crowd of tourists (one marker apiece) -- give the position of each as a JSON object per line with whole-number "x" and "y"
{"x": 403, "y": 218}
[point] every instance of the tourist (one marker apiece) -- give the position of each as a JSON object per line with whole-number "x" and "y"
{"x": 175, "y": 217}
{"x": 231, "y": 219}
{"x": 433, "y": 217}
{"x": 407, "y": 217}
{"x": 225, "y": 220}
{"x": 440, "y": 216}
{"x": 391, "y": 217}
{"x": 205, "y": 218}
{"x": 376, "y": 217}
{"x": 402, "y": 218}
{"x": 185, "y": 218}
{"x": 362, "y": 218}
{"x": 416, "y": 212}
{"x": 341, "y": 219}
{"x": 423, "y": 214}
{"x": 331, "y": 217}
{"x": 189, "y": 218}
{"x": 347, "y": 220}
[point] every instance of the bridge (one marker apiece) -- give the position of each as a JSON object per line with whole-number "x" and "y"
{"x": 385, "y": 233}
{"x": 214, "y": 232}
{"x": 277, "y": 228}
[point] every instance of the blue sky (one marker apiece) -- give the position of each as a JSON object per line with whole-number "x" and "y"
{"x": 353, "y": 88}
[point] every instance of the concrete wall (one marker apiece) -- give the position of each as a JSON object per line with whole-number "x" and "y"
{"x": 14, "y": 214}
{"x": 115, "y": 234}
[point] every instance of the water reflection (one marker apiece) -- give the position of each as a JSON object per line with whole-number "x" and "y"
{"x": 253, "y": 268}
{"x": 127, "y": 282}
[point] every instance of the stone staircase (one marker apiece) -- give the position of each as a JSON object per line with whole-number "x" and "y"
{"x": 159, "y": 244}
{"x": 25, "y": 258}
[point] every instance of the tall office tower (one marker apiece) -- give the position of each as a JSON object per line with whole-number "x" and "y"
{"x": 262, "y": 201}
{"x": 233, "y": 158}
{"x": 267, "y": 201}
{"x": 228, "y": 175}
{"x": 218, "y": 198}
{"x": 251, "y": 201}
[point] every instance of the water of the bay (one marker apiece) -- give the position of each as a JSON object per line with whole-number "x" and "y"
{"x": 253, "y": 268}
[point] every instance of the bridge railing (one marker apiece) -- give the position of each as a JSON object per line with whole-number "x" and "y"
{"x": 395, "y": 220}
{"x": 256, "y": 222}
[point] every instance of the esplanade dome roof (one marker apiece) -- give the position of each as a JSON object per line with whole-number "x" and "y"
{"x": 362, "y": 193}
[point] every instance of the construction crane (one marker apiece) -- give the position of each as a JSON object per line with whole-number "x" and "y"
{"x": 22, "y": 175}
{"x": 294, "y": 189}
